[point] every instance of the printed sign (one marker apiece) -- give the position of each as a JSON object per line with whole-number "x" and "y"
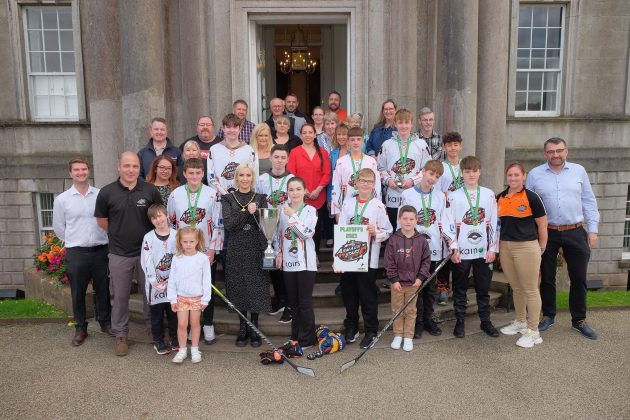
{"x": 351, "y": 249}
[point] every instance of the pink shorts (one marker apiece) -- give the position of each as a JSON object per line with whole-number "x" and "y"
{"x": 185, "y": 303}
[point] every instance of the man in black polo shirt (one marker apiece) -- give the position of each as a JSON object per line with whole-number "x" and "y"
{"x": 121, "y": 210}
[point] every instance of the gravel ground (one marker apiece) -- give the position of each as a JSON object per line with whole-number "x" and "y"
{"x": 567, "y": 376}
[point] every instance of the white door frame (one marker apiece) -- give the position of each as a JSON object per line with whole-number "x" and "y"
{"x": 249, "y": 14}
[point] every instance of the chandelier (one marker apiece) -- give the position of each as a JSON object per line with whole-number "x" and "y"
{"x": 299, "y": 58}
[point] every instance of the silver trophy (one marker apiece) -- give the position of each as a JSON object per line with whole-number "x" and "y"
{"x": 269, "y": 224}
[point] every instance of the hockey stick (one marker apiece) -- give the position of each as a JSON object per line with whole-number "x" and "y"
{"x": 352, "y": 362}
{"x": 303, "y": 370}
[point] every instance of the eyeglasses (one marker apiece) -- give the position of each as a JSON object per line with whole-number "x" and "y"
{"x": 205, "y": 124}
{"x": 165, "y": 168}
{"x": 366, "y": 181}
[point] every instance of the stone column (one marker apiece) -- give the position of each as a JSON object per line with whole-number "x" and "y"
{"x": 142, "y": 56}
{"x": 101, "y": 60}
{"x": 492, "y": 87}
{"x": 456, "y": 69}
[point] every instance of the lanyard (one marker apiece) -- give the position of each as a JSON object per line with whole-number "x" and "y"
{"x": 274, "y": 197}
{"x": 475, "y": 209}
{"x": 299, "y": 212}
{"x": 403, "y": 158}
{"x": 356, "y": 170}
{"x": 192, "y": 209}
{"x": 457, "y": 180}
{"x": 356, "y": 211}
{"x": 425, "y": 207}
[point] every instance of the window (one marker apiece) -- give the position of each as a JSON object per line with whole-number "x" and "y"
{"x": 539, "y": 60}
{"x": 45, "y": 213}
{"x": 50, "y": 58}
{"x": 626, "y": 228}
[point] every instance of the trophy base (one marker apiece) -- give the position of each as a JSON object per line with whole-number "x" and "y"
{"x": 269, "y": 264}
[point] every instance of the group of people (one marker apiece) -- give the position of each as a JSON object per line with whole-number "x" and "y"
{"x": 174, "y": 211}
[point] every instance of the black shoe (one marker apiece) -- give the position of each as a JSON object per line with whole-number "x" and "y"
{"x": 367, "y": 340}
{"x": 338, "y": 291}
{"x": 286, "y": 316}
{"x": 161, "y": 348}
{"x": 488, "y": 328}
{"x": 417, "y": 332}
{"x": 432, "y": 328}
{"x": 241, "y": 338}
{"x": 459, "y": 330}
{"x": 255, "y": 338}
{"x": 352, "y": 334}
{"x": 276, "y": 308}
{"x": 174, "y": 346}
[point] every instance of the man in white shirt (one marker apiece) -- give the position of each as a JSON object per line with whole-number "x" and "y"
{"x": 86, "y": 248}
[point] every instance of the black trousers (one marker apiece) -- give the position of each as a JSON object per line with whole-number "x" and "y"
{"x": 208, "y": 313}
{"x": 279, "y": 289}
{"x": 482, "y": 276}
{"x": 157, "y": 322}
{"x": 392, "y": 214}
{"x": 299, "y": 285}
{"x": 576, "y": 253}
{"x": 321, "y": 226}
{"x": 83, "y": 265}
{"x": 360, "y": 289}
{"x": 442, "y": 278}
{"x": 426, "y": 299}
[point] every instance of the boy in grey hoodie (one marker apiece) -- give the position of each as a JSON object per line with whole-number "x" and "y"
{"x": 407, "y": 262}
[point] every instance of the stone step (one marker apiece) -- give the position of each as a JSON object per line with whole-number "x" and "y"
{"x": 228, "y": 323}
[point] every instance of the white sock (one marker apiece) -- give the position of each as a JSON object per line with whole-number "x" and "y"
{"x": 194, "y": 349}
{"x": 183, "y": 350}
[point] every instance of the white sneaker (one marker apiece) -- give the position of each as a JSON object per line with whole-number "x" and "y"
{"x": 516, "y": 327}
{"x": 396, "y": 342}
{"x": 208, "y": 334}
{"x": 408, "y": 344}
{"x": 195, "y": 356}
{"x": 180, "y": 356}
{"x": 529, "y": 339}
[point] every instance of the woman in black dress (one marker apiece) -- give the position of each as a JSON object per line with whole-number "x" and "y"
{"x": 246, "y": 282}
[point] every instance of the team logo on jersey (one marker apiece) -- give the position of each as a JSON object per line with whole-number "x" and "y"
{"x": 289, "y": 235}
{"x": 353, "y": 180}
{"x": 400, "y": 169}
{"x": 455, "y": 184}
{"x": 277, "y": 197}
{"x": 426, "y": 222}
{"x": 228, "y": 171}
{"x": 355, "y": 220}
{"x": 187, "y": 216}
{"x": 164, "y": 267}
{"x": 141, "y": 202}
{"x": 474, "y": 237}
{"x": 352, "y": 250}
{"x": 468, "y": 219}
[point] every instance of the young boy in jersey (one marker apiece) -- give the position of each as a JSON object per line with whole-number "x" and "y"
{"x": 400, "y": 162}
{"x": 225, "y": 157}
{"x": 473, "y": 210}
{"x": 359, "y": 288}
{"x": 195, "y": 204}
{"x": 274, "y": 185}
{"x": 346, "y": 171}
{"x": 450, "y": 181}
{"x": 158, "y": 248}
{"x": 430, "y": 204}
{"x": 407, "y": 261}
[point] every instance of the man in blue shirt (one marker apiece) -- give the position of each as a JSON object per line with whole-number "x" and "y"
{"x": 570, "y": 203}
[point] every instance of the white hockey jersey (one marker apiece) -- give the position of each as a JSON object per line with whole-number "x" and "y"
{"x": 294, "y": 240}
{"x": 474, "y": 236}
{"x": 374, "y": 214}
{"x": 447, "y": 184}
{"x": 223, "y": 162}
{"x": 435, "y": 227}
{"x": 343, "y": 182}
{"x": 390, "y": 164}
{"x": 155, "y": 258}
{"x": 208, "y": 216}
{"x": 274, "y": 187}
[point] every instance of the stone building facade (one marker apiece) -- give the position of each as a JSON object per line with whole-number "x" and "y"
{"x": 85, "y": 77}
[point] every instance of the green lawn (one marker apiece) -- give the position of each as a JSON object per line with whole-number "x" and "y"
{"x": 596, "y": 299}
{"x": 29, "y": 308}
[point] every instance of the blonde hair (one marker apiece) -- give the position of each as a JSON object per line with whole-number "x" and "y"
{"x": 189, "y": 230}
{"x": 341, "y": 127}
{"x": 238, "y": 170}
{"x": 191, "y": 143}
{"x": 253, "y": 142}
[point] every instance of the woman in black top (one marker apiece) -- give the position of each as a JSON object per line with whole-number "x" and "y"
{"x": 523, "y": 240}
